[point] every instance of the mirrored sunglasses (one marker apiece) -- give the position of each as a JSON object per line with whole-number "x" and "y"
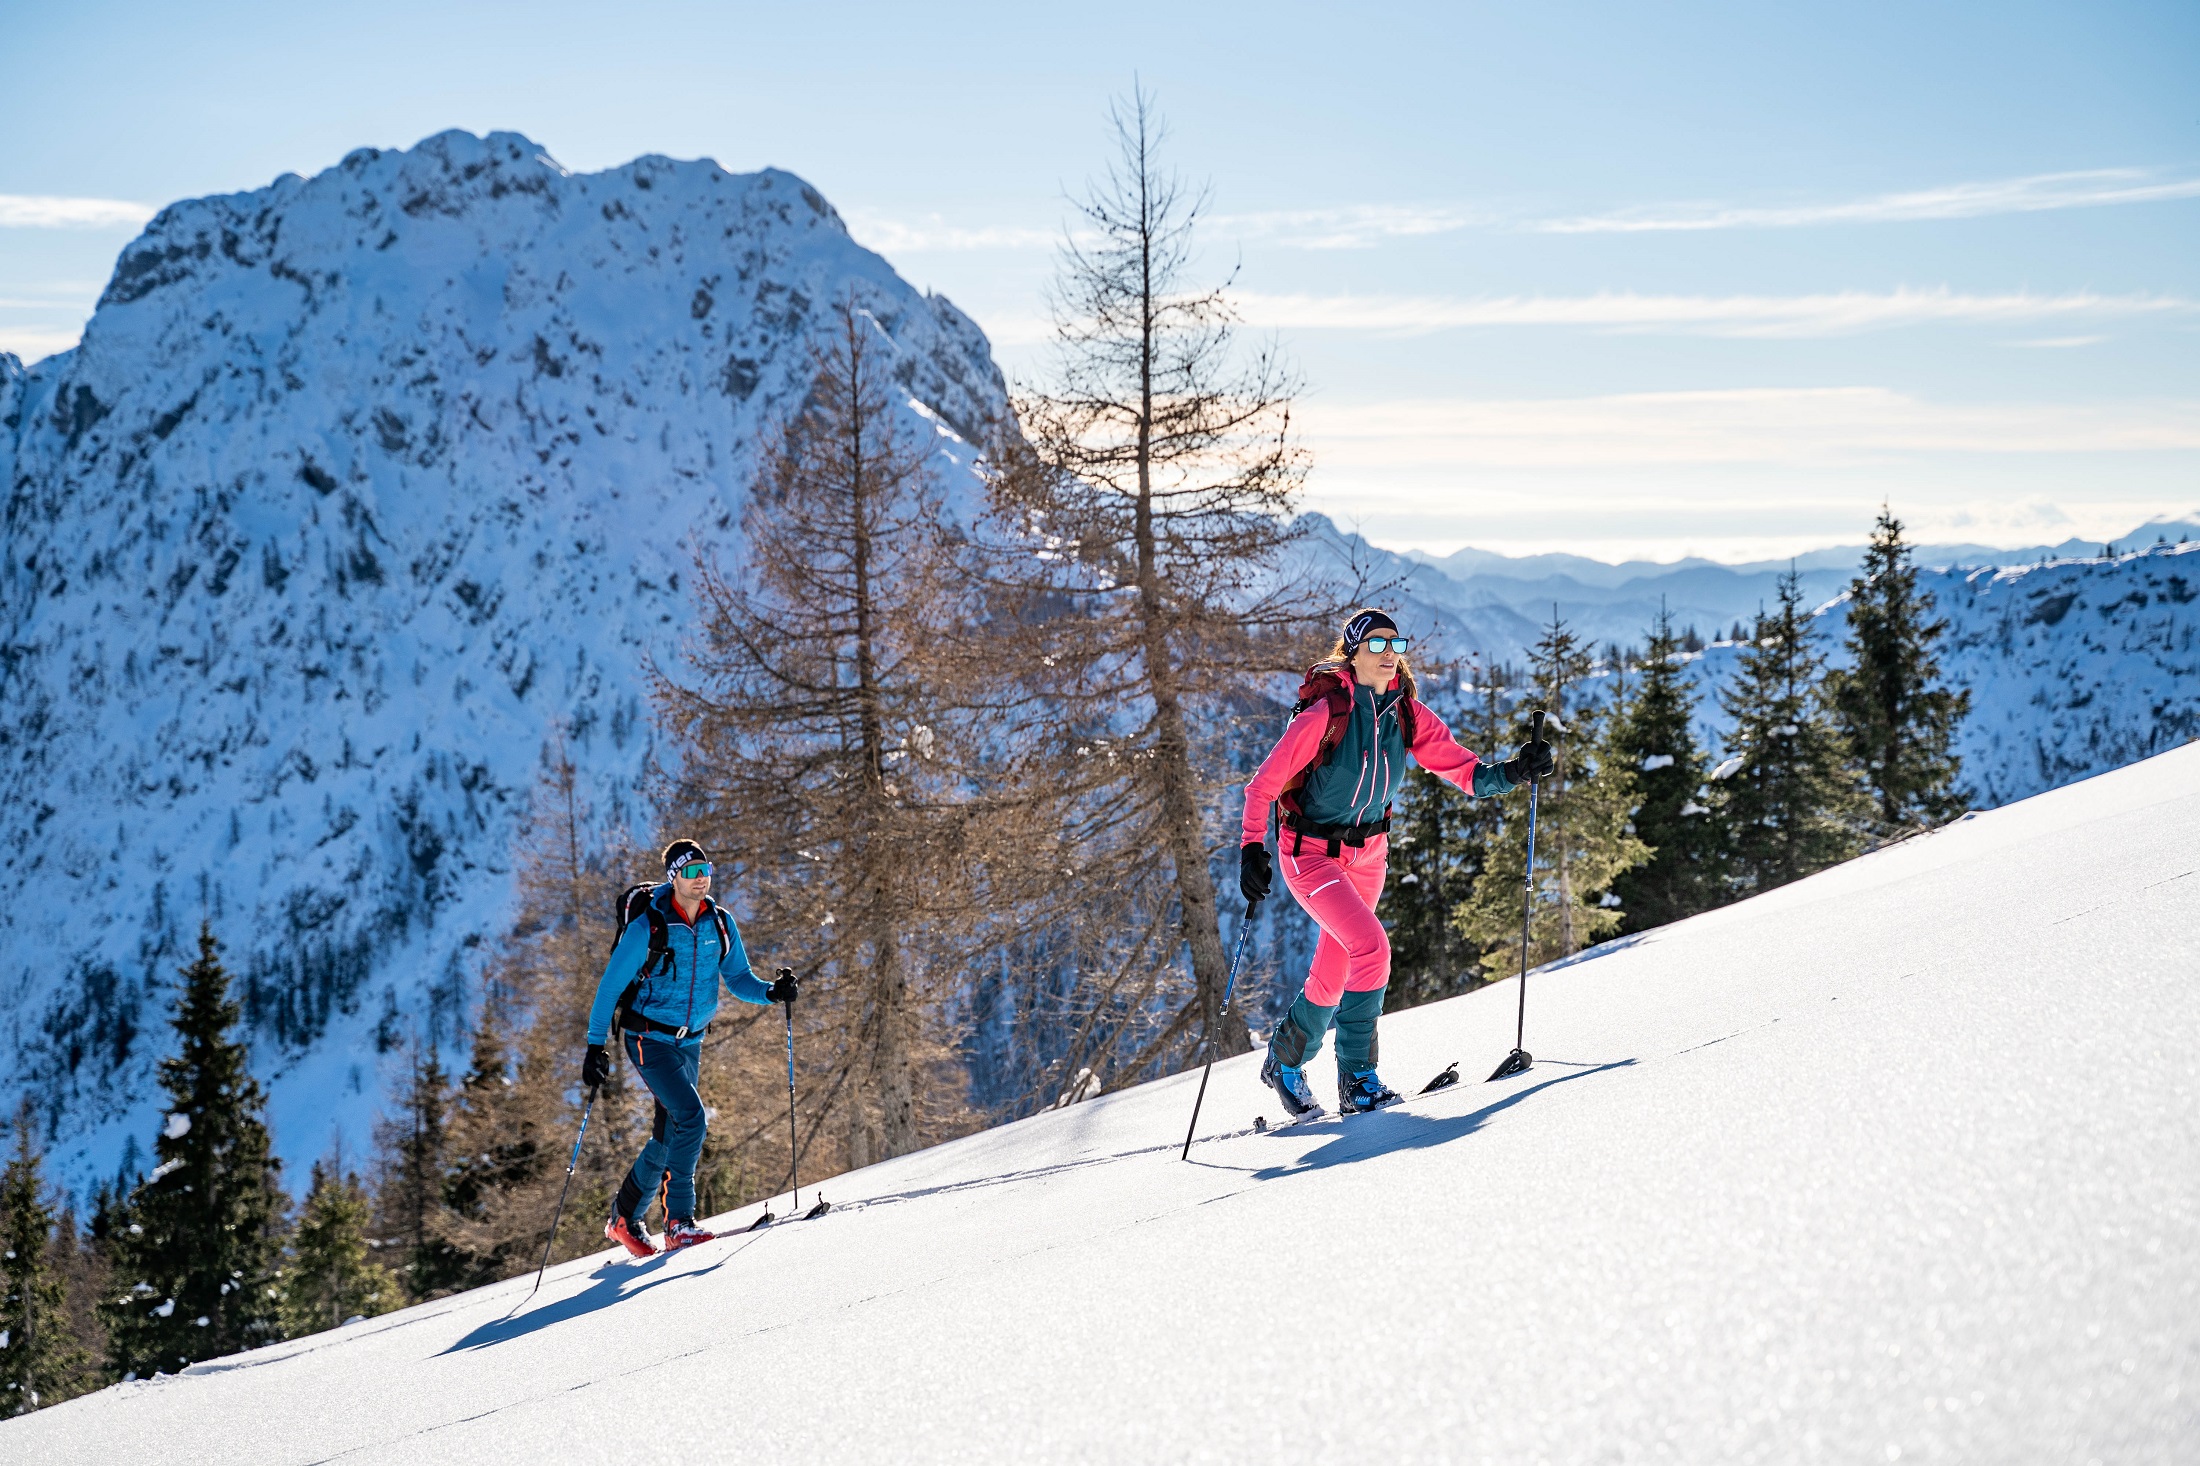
{"x": 692, "y": 870}
{"x": 1385, "y": 644}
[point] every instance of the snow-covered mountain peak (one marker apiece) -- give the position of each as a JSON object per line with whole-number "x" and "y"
{"x": 360, "y": 489}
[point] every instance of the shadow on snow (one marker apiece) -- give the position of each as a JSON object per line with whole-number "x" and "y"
{"x": 613, "y": 1282}
{"x": 1385, "y": 1131}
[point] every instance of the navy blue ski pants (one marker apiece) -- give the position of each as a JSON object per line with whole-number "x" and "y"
{"x": 676, "y": 1139}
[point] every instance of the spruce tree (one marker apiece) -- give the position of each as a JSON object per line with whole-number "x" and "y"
{"x": 41, "y": 1362}
{"x": 409, "y": 1174}
{"x": 330, "y": 1276}
{"x": 1435, "y": 855}
{"x": 1791, "y": 805}
{"x": 491, "y": 1215}
{"x": 1655, "y": 736}
{"x": 1438, "y": 847}
{"x": 1889, "y": 703}
{"x": 196, "y": 1244}
{"x": 1582, "y": 843}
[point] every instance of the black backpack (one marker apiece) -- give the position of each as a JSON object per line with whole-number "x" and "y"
{"x": 634, "y": 902}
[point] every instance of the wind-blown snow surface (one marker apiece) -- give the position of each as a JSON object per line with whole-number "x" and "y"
{"x": 1899, "y": 1163}
{"x": 359, "y": 491}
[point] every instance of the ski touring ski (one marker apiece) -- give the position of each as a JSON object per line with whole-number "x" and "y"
{"x": 768, "y": 1219}
{"x": 1444, "y": 1080}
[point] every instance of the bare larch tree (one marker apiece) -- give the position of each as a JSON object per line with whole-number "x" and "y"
{"x": 1158, "y": 472}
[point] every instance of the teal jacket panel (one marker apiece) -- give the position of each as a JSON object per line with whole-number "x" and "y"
{"x": 685, "y": 992}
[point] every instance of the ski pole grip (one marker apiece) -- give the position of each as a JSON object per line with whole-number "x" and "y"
{"x": 1535, "y": 727}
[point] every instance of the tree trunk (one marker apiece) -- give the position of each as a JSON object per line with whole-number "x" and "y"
{"x": 889, "y": 985}
{"x": 1195, "y": 887}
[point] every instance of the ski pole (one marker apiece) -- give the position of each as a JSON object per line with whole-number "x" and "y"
{"x": 559, "y": 1215}
{"x": 794, "y": 1154}
{"x": 1518, "y": 1061}
{"x": 1244, "y": 930}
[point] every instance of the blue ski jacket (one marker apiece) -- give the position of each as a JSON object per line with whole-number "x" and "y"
{"x": 685, "y": 993}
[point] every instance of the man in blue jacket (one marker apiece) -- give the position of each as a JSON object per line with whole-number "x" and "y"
{"x": 661, "y": 1032}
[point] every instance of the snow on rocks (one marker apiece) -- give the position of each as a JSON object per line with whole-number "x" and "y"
{"x": 364, "y": 495}
{"x": 1889, "y": 1164}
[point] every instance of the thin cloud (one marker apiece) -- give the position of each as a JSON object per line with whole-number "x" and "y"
{"x": 43, "y": 211}
{"x": 934, "y": 235}
{"x": 32, "y": 343}
{"x": 1359, "y": 226}
{"x": 2041, "y": 192}
{"x": 1833, "y": 314}
{"x": 1355, "y": 226}
{"x": 1751, "y": 425}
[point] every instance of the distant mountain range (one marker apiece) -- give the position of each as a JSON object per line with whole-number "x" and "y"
{"x": 1498, "y": 605}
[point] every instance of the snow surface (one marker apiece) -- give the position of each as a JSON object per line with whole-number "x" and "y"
{"x": 1899, "y": 1163}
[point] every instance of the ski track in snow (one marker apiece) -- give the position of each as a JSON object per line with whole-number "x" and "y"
{"x": 1899, "y": 1163}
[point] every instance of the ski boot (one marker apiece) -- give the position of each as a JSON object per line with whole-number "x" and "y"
{"x": 630, "y": 1233}
{"x": 684, "y": 1233}
{"x": 1364, "y": 1091}
{"x": 1290, "y": 1087}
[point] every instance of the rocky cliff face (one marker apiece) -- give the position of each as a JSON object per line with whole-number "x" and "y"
{"x": 360, "y": 492}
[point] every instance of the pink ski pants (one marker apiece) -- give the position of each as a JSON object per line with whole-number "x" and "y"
{"x": 1353, "y": 954}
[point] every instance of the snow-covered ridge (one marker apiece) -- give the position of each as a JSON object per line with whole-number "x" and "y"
{"x": 2074, "y": 667}
{"x": 1891, "y": 1164}
{"x": 359, "y": 490}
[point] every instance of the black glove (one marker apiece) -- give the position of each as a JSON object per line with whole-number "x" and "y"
{"x": 1256, "y": 872}
{"x": 1534, "y": 763}
{"x": 783, "y": 991}
{"x": 595, "y": 1068}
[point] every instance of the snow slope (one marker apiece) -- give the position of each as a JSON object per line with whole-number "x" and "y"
{"x": 1899, "y": 1163}
{"x": 361, "y": 492}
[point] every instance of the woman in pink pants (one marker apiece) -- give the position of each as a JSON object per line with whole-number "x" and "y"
{"x": 1336, "y": 771}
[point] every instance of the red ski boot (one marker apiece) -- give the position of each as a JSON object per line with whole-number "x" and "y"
{"x": 631, "y": 1234}
{"x": 685, "y": 1234}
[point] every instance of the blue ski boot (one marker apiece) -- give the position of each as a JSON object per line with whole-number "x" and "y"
{"x": 1290, "y": 1086}
{"x": 1364, "y": 1091}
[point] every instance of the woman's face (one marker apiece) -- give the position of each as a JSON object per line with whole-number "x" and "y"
{"x": 1376, "y": 669}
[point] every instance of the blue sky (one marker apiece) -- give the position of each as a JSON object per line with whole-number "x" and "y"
{"x": 1615, "y": 278}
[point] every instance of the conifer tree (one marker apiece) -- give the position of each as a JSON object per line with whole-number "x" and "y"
{"x": 1151, "y": 492}
{"x": 41, "y": 1360}
{"x": 1889, "y": 702}
{"x": 840, "y": 744}
{"x": 330, "y": 1276}
{"x": 1438, "y": 847}
{"x": 196, "y": 1245}
{"x": 498, "y": 1159}
{"x": 79, "y": 1258}
{"x": 1655, "y": 736}
{"x": 1792, "y": 805}
{"x": 1582, "y": 843}
{"x": 412, "y": 1150}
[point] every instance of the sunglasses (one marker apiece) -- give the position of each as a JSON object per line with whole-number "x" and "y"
{"x": 693, "y": 870}
{"x": 1384, "y": 644}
